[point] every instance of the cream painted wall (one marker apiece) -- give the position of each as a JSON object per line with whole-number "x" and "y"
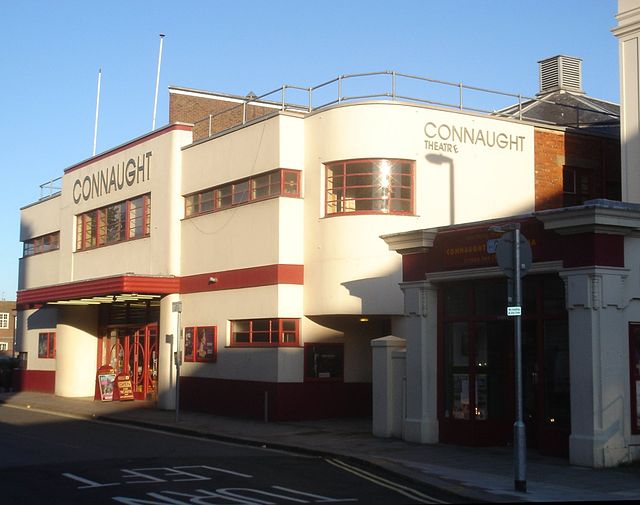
{"x": 628, "y": 33}
{"x": 39, "y": 270}
{"x": 29, "y": 324}
{"x": 238, "y": 237}
{"x": 76, "y": 347}
{"x": 155, "y": 255}
{"x": 348, "y": 267}
{"x": 242, "y": 153}
{"x": 220, "y": 307}
{"x": 40, "y": 218}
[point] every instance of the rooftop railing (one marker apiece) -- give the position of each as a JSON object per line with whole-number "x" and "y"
{"x": 396, "y": 86}
{"x": 50, "y": 188}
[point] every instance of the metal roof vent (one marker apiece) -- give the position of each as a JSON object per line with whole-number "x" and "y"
{"x": 560, "y": 73}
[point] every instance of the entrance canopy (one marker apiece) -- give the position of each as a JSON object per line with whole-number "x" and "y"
{"x": 119, "y": 288}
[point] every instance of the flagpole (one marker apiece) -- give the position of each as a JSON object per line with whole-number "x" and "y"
{"x": 155, "y": 100}
{"x": 95, "y": 128}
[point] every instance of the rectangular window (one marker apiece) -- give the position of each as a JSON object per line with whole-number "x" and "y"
{"x": 323, "y": 362}
{"x": 200, "y": 344}
{"x": 47, "y": 345}
{"x": 634, "y": 375}
{"x": 577, "y": 185}
{"x": 4, "y": 346}
{"x": 265, "y": 332}
{"x": 260, "y": 187}
{"x": 115, "y": 223}
{"x": 369, "y": 186}
{"x": 4, "y": 320}
{"x": 45, "y": 243}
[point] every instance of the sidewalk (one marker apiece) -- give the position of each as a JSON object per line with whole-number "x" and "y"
{"x": 475, "y": 473}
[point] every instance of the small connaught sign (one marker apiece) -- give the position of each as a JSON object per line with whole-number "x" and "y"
{"x": 449, "y": 137}
{"x": 114, "y": 178}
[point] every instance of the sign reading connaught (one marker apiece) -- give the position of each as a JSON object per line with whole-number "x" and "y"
{"x": 447, "y": 138}
{"x": 130, "y": 172}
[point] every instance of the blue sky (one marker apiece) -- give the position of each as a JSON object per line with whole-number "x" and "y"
{"x": 50, "y": 54}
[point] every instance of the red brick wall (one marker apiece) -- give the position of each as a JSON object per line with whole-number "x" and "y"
{"x": 556, "y": 149}
{"x": 196, "y": 110}
{"x": 6, "y": 334}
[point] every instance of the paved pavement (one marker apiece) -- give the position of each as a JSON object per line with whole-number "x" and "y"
{"x": 479, "y": 474}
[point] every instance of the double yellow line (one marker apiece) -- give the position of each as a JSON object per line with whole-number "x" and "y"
{"x": 394, "y": 486}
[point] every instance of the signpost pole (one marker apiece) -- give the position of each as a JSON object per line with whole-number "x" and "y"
{"x": 519, "y": 429}
{"x": 177, "y": 307}
{"x": 513, "y": 254}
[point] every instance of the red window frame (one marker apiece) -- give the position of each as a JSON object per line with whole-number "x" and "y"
{"x": 243, "y": 191}
{"x": 634, "y": 376}
{"x": 201, "y": 344}
{"x": 265, "y": 332}
{"x": 93, "y": 229}
{"x": 42, "y": 244}
{"x": 347, "y": 190}
{"x": 47, "y": 345}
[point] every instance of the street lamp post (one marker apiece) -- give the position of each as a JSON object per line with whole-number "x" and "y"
{"x": 513, "y": 254}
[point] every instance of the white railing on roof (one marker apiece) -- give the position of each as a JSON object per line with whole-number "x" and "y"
{"x": 386, "y": 85}
{"x": 50, "y": 188}
{"x": 391, "y": 85}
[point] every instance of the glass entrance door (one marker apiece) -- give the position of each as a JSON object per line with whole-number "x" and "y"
{"x": 133, "y": 351}
{"x": 477, "y": 378}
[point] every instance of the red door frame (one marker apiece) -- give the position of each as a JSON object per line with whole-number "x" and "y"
{"x": 548, "y": 439}
{"x": 138, "y": 349}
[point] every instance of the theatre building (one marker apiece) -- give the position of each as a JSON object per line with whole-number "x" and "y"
{"x": 251, "y": 229}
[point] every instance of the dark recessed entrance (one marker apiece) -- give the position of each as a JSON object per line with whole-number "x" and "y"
{"x": 476, "y": 368}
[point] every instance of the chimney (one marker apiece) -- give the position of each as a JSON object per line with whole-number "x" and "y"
{"x": 560, "y": 73}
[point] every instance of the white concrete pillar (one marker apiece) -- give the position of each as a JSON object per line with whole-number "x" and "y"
{"x": 420, "y": 330}
{"x": 166, "y": 347}
{"x": 76, "y": 351}
{"x": 389, "y": 369}
{"x": 598, "y": 362}
{"x": 628, "y": 33}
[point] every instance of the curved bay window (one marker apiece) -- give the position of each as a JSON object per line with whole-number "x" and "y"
{"x": 477, "y": 392}
{"x": 381, "y": 186}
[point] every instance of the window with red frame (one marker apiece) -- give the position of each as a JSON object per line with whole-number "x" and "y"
{"x": 200, "y": 343}
{"x": 634, "y": 375}
{"x": 115, "y": 223}
{"x": 47, "y": 345}
{"x": 259, "y": 187}
{"x": 265, "y": 332}
{"x": 39, "y": 245}
{"x": 377, "y": 186}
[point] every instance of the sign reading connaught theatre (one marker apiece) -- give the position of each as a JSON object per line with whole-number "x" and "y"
{"x": 448, "y": 137}
{"x": 114, "y": 178}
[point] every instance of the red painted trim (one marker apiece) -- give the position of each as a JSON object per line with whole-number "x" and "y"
{"x": 588, "y": 249}
{"x": 285, "y": 401}
{"x": 129, "y": 145}
{"x": 98, "y": 287}
{"x": 267, "y": 275}
{"x": 41, "y": 381}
